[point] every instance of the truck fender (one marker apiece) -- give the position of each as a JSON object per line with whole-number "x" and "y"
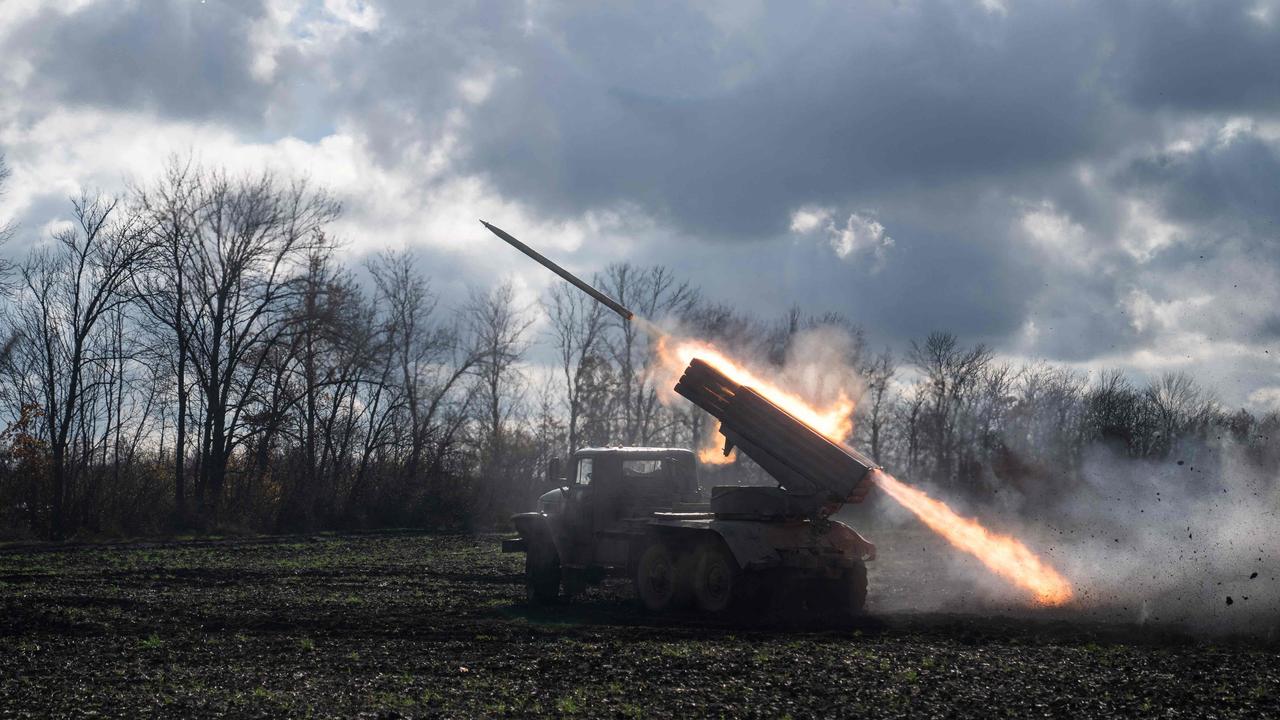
{"x": 749, "y": 542}
{"x": 850, "y": 542}
{"x": 535, "y": 527}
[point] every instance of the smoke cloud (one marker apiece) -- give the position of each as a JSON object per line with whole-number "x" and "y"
{"x": 1190, "y": 542}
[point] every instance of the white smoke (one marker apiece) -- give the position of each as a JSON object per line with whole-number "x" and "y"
{"x": 1193, "y": 546}
{"x": 1187, "y": 541}
{"x": 819, "y": 366}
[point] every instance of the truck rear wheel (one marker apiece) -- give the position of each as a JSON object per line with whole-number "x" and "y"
{"x": 541, "y": 572}
{"x": 851, "y": 592}
{"x": 715, "y": 578}
{"x": 658, "y": 580}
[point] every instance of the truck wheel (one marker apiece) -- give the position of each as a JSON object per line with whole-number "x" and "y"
{"x": 715, "y": 577}
{"x": 657, "y": 578}
{"x": 573, "y": 583}
{"x": 541, "y": 572}
{"x": 858, "y": 588}
{"x": 851, "y": 595}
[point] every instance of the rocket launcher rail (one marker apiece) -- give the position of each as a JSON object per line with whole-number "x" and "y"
{"x": 818, "y": 473}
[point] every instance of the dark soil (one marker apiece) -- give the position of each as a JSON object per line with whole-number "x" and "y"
{"x": 416, "y": 625}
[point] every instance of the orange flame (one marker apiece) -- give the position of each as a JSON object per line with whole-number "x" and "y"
{"x": 714, "y": 455}
{"x": 1004, "y": 555}
{"x": 834, "y": 421}
{"x": 712, "y": 452}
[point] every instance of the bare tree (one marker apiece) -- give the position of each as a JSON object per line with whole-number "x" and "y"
{"x": 656, "y": 294}
{"x": 498, "y": 328}
{"x": 1179, "y": 407}
{"x": 577, "y": 333}
{"x": 879, "y": 376}
{"x": 313, "y": 373}
{"x": 7, "y": 230}
{"x": 949, "y": 375}
{"x": 172, "y": 208}
{"x": 430, "y": 358}
{"x": 68, "y": 295}
{"x": 253, "y": 238}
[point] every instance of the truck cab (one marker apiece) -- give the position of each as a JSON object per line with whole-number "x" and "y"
{"x": 615, "y": 483}
{"x": 587, "y": 522}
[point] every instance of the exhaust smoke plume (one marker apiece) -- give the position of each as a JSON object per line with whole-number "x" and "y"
{"x": 1195, "y": 542}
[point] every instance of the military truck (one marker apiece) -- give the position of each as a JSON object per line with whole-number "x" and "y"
{"x": 640, "y": 513}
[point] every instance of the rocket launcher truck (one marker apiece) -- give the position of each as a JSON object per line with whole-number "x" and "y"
{"x": 641, "y": 512}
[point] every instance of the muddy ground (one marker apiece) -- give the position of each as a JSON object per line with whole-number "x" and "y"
{"x": 418, "y": 625}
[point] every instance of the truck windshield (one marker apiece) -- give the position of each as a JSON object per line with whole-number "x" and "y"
{"x": 584, "y": 471}
{"x": 641, "y": 468}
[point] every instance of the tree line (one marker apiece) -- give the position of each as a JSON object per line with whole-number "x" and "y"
{"x": 193, "y": 356}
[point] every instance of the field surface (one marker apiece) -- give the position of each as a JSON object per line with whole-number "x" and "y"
{"x": 417, "y": 625}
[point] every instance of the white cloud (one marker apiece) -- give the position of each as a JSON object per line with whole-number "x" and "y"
{"x": 1146, "y": 313}
{"x": 1063, "y": 239}
{"x": 994, "y": 6}
{"x": 861, "y": 233}
{"x": 1263, "y": 12}
{"x": 16, "y": 70}
{"x": 1145, "y": 233}
{"x": 294, "y": 25}
{"x": 411, "y": 204}
{"x": 475, "y": 89}
{"x": 358, "y": 14}
{"x": 386, "y": 112}
{"x": 809, "y": 218}
{"x": 1265, "y": 399}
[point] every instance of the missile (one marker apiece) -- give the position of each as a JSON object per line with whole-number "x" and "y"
{"x": 600, "y": 297}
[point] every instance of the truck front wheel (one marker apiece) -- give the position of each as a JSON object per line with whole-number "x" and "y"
{"x": 541, "y": 572}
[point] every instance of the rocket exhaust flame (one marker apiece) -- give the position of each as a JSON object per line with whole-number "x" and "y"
{"x": 834, "y": 421}
{"x": 1004, "y": 555}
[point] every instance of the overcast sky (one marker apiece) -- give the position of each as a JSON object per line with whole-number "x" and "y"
{"x": 1093, "y": 183}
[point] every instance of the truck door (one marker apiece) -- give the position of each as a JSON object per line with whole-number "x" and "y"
{"x": 578, "y": 510}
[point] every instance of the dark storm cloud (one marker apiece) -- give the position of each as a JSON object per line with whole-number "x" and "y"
{"x": 181, "y": 59}
{"x": 400, "y": 82}
{"x": 712, "y": 123}
{"x": 1197, "y": 56}
{"x": 1232, "y": 184}
{"x": 944, "y": 117}
{"x": 1269, "y": 328}
{"x": 847, "y": 102}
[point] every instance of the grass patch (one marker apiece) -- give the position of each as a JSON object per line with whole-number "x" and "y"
{"x": 151, "y": 642}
